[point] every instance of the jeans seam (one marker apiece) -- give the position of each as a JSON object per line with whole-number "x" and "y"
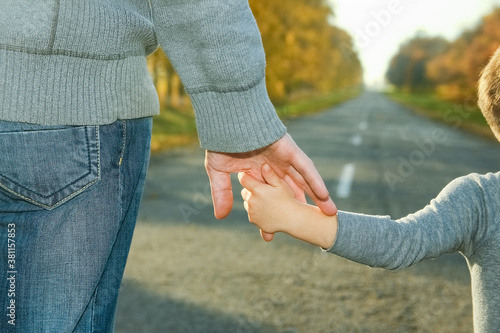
{"x": 92, "y": 319}
{"x": 124, "y": 140}
{"x": 122, "y": 154}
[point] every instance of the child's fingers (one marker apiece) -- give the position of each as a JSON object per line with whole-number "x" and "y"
{"x": 248, "y": 181}
{"x": 270, "y": 176}
{"x": 240, "y": 175}
{"x": 245, "y": 194}
{"x": 297, "y": 191}
{"x": 245, "y": 204}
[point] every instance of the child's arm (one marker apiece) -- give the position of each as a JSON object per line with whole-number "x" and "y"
{"x": 273, "y": 208}
{"x": 450, "y": 223}
{"x": 454, "y": 221}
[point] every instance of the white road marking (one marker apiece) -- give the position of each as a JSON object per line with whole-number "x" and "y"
{"x": 356, "y": 140}
{"x": 346, "y": 177}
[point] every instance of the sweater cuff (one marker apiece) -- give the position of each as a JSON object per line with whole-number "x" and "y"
{"x": 236, "y": 121}
{"x": 360, "y": 238}
{"x": 344, "y": 240}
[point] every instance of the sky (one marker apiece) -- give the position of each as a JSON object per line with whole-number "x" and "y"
{"x": 378, "y": 27}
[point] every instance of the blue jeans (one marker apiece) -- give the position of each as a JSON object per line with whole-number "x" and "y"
{"x": 69, "y": 197}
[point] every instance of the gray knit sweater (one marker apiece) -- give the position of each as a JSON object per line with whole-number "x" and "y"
{"x": 84, "y": 63}
{"x": 465, "y": 217}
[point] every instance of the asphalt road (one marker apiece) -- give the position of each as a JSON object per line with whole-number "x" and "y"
{"x": 188, "y": 272}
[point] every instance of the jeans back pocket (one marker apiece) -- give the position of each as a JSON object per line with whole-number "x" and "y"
{"x": 47, "y": 166}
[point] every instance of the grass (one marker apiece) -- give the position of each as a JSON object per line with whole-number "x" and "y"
{"x": 315, "y": 104}
{"x": 173, "y": 127}
{"x": 466, "y": 115}
{"x": 176, "y": 127}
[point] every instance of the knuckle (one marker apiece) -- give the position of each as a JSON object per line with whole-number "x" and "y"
{"x": 250, "y": 217}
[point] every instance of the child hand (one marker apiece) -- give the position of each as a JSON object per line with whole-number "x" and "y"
{"x": 273, "y": 208}
{"x": 268, "y": 205}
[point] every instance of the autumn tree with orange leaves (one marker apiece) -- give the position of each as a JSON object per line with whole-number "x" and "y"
{"x": 455, "y": 72}
{"x": 305, "y": 54}
{"x": 450, "y": 69}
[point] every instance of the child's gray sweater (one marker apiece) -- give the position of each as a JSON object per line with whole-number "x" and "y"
{"x": 465, "y": 217}
{"x": 84, "y": 63}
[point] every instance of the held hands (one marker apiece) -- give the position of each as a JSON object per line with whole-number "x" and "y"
{"x": 271, "y": 205}
{"x": 285, "y": 158}
{"x": 273, "y": 208}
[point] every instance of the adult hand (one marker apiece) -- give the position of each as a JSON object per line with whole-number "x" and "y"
{"x": 284, "y": 157}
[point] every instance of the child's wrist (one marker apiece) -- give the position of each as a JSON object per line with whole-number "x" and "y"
{"x": 309, "y": 224}
{"x": 330, "y": 234}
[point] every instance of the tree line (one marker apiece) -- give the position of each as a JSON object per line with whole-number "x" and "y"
{"x": 449, "y": 68}
{"x": 306, "y": 55}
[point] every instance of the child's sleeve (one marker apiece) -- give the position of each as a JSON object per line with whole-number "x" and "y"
{"x": 449, "y": 223}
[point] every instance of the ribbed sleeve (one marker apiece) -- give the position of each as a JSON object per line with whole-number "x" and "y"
{"x": 216, "y": 48}
{"x": 236, "y": 121}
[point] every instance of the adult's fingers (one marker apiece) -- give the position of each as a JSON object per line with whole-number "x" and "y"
{"x": 312, "y": 183}
{"x": 222, "y": 193}
{"x": 310, "y": 179}
{"x": 326, "y": 205}
{"x": 305, "y": 167}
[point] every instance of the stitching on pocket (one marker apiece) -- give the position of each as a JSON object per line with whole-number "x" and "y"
{"x": 75, "y": 193}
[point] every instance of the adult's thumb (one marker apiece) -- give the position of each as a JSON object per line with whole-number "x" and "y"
{"x": 270, "y": 176}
